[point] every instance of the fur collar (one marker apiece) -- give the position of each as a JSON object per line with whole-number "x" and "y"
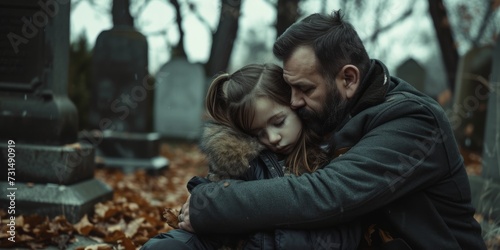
{"x": 228, "y": 151}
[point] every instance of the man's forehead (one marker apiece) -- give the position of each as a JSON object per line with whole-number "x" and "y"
{"x": 302, "y": 60}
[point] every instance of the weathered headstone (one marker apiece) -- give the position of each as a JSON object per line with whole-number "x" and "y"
{"x": 491, "y": 149}
{"x": 120, "y": 91}
{"x": 412, "y": 72}
{"x": 179, "y": 99}
{"x": 122, "y": 95}
{"x": 436, "y": 85}
{"x": 45, "y": 170}
{"x": 470, "y": 101}
{"x": 486, "y": 188}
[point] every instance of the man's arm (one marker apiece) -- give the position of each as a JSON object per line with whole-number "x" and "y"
{"x": 398, "y": 156}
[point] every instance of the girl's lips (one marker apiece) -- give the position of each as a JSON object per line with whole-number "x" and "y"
{"x": 284, "y": 150}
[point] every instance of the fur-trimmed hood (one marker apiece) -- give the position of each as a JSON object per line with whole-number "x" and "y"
{"x": 229, "y": 152}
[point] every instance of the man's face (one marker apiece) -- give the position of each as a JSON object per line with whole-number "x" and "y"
{"x": 317, "y": 101}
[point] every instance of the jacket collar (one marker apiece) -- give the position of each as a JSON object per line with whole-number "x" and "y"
{"x": 373, "y": 88}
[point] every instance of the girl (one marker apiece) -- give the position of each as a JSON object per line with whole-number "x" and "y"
{"x": 255, "y": 101}
{"x": 245, "y": 108}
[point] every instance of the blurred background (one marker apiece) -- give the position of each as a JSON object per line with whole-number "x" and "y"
{"x": 424, "y": 40}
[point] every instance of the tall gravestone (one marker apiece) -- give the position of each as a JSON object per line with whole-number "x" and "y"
{"x": 179, "y": 99}
{"x": 491, "y": 149}
{"x": 45, "y": 170}
{"x": 471, "y": 98}
{"x": 412, "y": 72}
{"x": 486, "y": 188}
{"x": 122, "y": 94}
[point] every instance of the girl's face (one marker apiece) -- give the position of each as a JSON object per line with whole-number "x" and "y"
{"x": 276, "y": 126}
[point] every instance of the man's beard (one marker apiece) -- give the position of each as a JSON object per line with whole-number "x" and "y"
{"x": 334, "y": 111}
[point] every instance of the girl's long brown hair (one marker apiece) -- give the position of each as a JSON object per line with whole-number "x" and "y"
{"x": 230, "y": 101}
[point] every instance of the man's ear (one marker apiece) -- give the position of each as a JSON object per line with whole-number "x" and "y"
{"x": 351, "y": 79}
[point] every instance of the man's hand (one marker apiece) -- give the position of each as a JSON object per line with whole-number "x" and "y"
{"x": 184, "y": 221}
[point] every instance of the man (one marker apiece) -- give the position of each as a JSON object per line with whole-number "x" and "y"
{"x": 398, "y": 165}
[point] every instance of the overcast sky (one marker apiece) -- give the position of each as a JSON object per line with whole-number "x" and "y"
{"x": 394, "y": 46}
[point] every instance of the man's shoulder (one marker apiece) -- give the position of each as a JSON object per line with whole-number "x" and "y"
{"x": 403, "y": 98}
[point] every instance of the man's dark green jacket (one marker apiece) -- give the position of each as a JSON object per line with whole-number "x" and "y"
{"x": 400, "y": 167}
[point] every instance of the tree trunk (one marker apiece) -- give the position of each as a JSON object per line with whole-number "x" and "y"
{"x": 179, "y": 49}
{"x": 288, "y": 13}
{"x": 223, "y": 38}
{"x": 446, "y": 42}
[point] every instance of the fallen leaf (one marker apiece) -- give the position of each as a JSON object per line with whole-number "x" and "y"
{"x": 172, "y": 217}
{"x": 133, "y": 226}
{"x": 83, "y": 227}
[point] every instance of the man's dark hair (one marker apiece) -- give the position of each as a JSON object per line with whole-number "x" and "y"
{"x": 335, "y": 43}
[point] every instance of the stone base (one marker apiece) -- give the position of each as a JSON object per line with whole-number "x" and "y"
{"x": 130, "y": 165}
{"x": 128, "y": 151}
{"x": 72, "y": 201}
{"x": 64, "y": 165}
{"x": 485, "y": 197}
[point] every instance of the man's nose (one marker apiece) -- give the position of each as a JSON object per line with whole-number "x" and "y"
{"x": 296, "y": 101}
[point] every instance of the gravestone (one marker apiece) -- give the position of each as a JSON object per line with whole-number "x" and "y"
{"x": 45, "y": 169}
{"x": 491, "y": 149}
{"x": 179, "y": 99}
{"x": 471, "y": 97}
{"x": 120, "y": 90}
{"x": 412, "y": 72}
{"x": 436, "y": 85}
{"x": 122, "y": 94}
{"x": 486, "y": 188}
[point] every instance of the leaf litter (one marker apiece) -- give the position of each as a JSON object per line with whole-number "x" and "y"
{"x": 133, "y": 216}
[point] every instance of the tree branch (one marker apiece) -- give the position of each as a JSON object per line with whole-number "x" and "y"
{"x": 202, "y": 20}
{"x": 380, "y": 30}
{"x": 95, "y": 6}
{"x": 142, "y": 8}
{"x": 271, "y": 2}
{"x": 484, "y": 24}
{"x": 74, "y": 4}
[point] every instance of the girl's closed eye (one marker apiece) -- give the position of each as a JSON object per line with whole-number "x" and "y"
{"x": 280, "y": 122}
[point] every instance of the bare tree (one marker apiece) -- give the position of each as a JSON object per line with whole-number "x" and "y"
{"x": 179, "y": 49}
{"x": 444, "y": 35}
{"x": 288, "y": 13}
{"x": 470, "y": 29}
{"x": 223, "y": 38}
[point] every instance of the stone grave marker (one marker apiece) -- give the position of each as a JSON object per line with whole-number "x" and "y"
{"x": 120, "y": 91}
{"x": 489, "y": 184}
{"x": 179, "y": 100}
{"x": 412, "y": 72}
{"x": 122, "y": 95}
{"x": 45, "y": 169}
{"x": 471, "y": 97}
{"x": 486, "y": 188}
{"x": 491, "y": 149}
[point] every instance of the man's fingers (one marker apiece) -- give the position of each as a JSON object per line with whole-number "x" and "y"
{"x": 186, "y": 221}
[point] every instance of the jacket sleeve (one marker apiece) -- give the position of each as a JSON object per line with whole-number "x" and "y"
{"x": 398, "y": 154}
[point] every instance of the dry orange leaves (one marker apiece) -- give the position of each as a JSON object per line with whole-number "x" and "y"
{"x": 126, "y": 222}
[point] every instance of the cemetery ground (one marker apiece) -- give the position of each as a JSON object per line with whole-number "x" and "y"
{"x": 137, "y": 210}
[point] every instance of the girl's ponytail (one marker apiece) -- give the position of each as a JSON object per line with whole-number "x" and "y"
{"x": 216, "y": 100}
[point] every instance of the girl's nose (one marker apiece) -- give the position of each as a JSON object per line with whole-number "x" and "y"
{"x": 274, "y": 138}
